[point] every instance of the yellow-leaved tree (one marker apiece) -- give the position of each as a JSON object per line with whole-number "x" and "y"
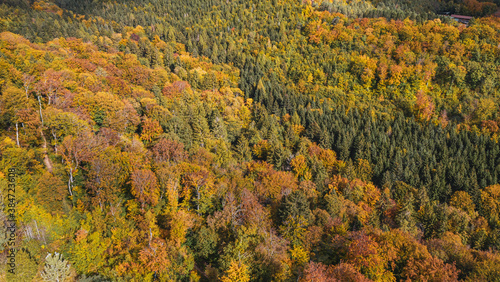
{"x": 237, "y": 272}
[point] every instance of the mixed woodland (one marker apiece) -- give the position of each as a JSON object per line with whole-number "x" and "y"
{"x": 256, "y": 140}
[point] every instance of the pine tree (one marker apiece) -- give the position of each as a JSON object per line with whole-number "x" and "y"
{"x": 406, "y": 216}
{"x": 215, "y": 54}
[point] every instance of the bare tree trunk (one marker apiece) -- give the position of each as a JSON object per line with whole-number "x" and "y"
{"x": 38, "y": 231}
{"x": 40, "y": 108}
{"x": 17, "y": 134}
{"x": 150, "y": 237}
{"x": 55, "y": 140}
{"x": 27, "y": 81}
{"x": 46, "y": 159}
{"x": 70, "y": 181}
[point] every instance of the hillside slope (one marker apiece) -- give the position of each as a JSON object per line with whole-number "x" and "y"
{"x": 269, "y": 140}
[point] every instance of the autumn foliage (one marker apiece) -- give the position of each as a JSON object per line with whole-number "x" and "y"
{"x": 250, "y": 140}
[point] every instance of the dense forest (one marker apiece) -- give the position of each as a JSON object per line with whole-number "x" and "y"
{"x": 256, "y": 140}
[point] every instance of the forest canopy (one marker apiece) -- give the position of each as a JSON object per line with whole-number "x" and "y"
{"x": 274, "y": 140}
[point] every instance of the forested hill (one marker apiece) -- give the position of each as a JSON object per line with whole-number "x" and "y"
{"x": 274, "y": 140}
